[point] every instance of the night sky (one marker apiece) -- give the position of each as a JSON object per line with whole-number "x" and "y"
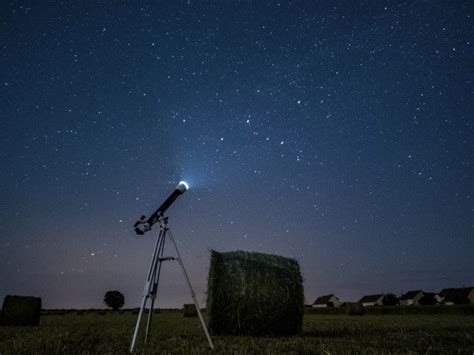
{"x": 336, "y": 133}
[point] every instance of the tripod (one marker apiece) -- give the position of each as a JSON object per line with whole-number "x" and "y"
{"x": 151, "y": 284}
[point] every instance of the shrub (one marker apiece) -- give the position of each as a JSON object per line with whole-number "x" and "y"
{"x": 427, "y": 300}
{"x": 19, "y": 310}
{"x": 390, "y": 300}
{"x": 391, "y": 310}
{"x": 189, "y": 310}
{"x": 325, "y": 310}
{"x": 354, "y": 309}
{"x": 254, "y": 294}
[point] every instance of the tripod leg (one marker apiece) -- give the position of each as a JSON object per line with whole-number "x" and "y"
{"x": 193, "y": 295}
{"x": 156, "y": 279}
{"x": 147, "y": 289}
{"x": 137, "y": 325}
{"x": 148, "y": 322}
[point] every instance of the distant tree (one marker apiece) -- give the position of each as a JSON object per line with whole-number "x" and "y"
{"x": 114, "y": 300}
{"x": 390, "y": 300}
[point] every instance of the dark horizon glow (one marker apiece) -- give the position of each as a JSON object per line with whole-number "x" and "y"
{"x": 337, "y": 133}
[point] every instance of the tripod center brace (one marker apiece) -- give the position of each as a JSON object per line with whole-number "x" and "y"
{"x": 151, "y": 284}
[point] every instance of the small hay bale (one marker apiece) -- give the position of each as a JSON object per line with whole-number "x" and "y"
{"x": 189, "y": 310}
{"x": 355, "y": 309}
{"x": 254, "y": 294}
{"x": 21, "y": 311}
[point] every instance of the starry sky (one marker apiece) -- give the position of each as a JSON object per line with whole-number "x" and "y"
{"x": 337, "y": 133}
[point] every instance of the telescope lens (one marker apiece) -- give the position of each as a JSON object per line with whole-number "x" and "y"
{"x": 182, "y": 186}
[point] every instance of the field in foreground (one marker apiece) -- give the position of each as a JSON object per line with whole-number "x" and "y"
{"x": 172, "y": 333}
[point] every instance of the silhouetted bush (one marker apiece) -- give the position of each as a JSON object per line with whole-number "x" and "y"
{"x": 114, "y": 300}
{"x": 189, "y": 310}
{"x": 427, "y": 300}
{"x": 390, "y": 300}
{"x": 389, "y": 310}
{"x": 324, "y": 310}
{"x": 354, "y": 309}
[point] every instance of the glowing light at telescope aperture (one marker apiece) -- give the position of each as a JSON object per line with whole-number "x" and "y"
{"x": 185, "y": 184}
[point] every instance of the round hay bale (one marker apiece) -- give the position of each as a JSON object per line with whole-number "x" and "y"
{"x": 21, "y": 311}
{"x": 189, "y": 310}
{"x": 355, "y": 309}
{"x": 254, "y": 294}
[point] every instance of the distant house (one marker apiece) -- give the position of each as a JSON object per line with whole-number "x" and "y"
{"x": 438, "y": 298}
{"x": 327, "y": 301}
{"x": 452, "y": 296}
{"x": 372, "y": 300}
{"x": 411, "y": 298}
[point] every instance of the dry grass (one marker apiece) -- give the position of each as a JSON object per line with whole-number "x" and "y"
{"x": 172, "y": 333}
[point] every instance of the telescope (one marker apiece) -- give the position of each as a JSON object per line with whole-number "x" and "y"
{"x": 142, "y": 225}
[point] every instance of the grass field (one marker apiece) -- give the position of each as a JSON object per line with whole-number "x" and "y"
{"x": 92, "y": 333}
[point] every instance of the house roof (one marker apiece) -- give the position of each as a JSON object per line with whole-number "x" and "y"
{"x": 410, "y": 295}
{"x": 370, "y": 298}
{"x": 456, "y": 295}
{"x": 323, "y": 299}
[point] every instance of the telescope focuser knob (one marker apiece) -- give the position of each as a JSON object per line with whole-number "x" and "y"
{"x": 145, "y": 228}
